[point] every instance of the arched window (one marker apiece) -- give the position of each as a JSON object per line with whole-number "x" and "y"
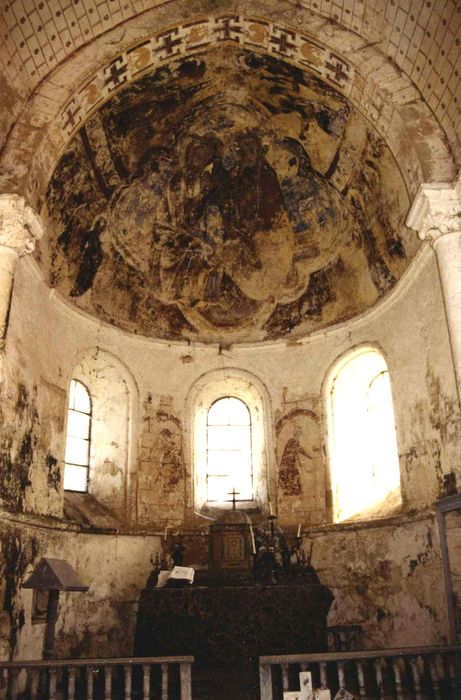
{"x": 229, "y": 451}
{"x": 78, "y": 438}
{"x": 363, "y": 450}
{"x": 230, "y": 441}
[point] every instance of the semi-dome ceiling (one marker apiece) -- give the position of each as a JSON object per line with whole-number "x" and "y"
{"x": 230, "y": 197}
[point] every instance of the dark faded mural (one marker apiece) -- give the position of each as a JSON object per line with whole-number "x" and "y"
{"x": 226, "y": 197}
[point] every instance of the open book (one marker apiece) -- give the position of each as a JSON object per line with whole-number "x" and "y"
{"x": 180, "y": 576}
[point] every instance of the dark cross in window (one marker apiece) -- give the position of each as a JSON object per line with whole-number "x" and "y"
{"x": 338, "y": 70}
{"x": 234, "y": 493}
{"x": 70, "y": 117}
{"x": 115, "y": 74}
{"x": 282, "y": 43}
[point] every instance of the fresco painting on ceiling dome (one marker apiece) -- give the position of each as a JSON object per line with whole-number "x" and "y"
{"x": 229, "y": 197}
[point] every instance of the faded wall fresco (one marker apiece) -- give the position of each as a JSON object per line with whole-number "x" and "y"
{"x": 301, "y": 471}
{"x": 161, "y": 475}
{"x": 31, "y": 438}
{"x": 191, "y": 207}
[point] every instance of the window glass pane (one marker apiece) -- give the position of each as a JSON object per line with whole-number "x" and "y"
{"x": 78, "y": 424}
{"x": 76, "y": 451}
{"x": 81, "y": 398}
{"x": 238, "y": 413}
{"x": 218, "y": 488}
{"x": 229, "y": 463}
{"x": 243, "y": 486}
{"x": 229, "y": 437}
{"x": 228, "y": 411}
{"x": 222, "y": 461}
{"x": 363, "y": 445}
{"x": 75, "y": 478}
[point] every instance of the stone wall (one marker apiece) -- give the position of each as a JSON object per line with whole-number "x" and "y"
{"x": 99, "y": 622}
{"x": 387, "y": 578}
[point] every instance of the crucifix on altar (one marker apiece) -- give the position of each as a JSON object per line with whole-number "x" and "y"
{"x": 234, "y": 493}
{"x": 231, "y": 548}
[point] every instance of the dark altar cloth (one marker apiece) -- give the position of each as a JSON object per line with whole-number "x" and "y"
{"x": 232, "y": 624}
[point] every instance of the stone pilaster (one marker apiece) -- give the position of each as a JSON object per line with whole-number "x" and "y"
{"x": 20, "y": 228}
{"x": 436, "y": 215}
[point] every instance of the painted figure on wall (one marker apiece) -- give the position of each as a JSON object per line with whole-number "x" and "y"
{"x": 301, "y": 476}
{"x": 170, "y": 460}
{"x": 291, "y": 464}
{"x": 161, "y": 466}
{"x": 225, "y": 214}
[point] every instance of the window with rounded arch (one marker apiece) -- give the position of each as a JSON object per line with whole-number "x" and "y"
{"x": 229, "y": 441}
{"x": 78, "y": 438}
{"x": 229, "y": 462}
{"x": 364, "y": 461}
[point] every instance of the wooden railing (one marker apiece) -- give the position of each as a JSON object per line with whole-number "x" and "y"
{"x": 419, "y": 673}
{"x": 143, "y": 678}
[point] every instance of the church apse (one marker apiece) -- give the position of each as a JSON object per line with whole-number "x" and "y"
{"x": 189, "y": 207}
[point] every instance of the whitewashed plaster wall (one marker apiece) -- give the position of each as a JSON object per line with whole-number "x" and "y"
{"x": 99, "y": 622}
{"x": 46, "y": 338}
{"x": 380, "y": 586}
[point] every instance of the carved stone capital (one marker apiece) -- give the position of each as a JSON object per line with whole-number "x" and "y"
{"x": 436, "y": 210}
{"x": 20, "y": 226}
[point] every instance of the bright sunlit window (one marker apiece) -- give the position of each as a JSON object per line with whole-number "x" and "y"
{"x": 77, "y": 456}
{"x": 363, "y": 446}
{"x": 228, "y": 457}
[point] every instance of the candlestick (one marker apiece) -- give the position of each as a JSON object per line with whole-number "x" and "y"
{"x": 252, "y": 539}
{"x": 166, "y": 532}
{"x": 271, "y": 512}
{"x": 299, "y": 530}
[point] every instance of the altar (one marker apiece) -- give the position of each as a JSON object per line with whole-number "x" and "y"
{"x": 232, "y": 624}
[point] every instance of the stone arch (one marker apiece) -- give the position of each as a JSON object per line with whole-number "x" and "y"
{"x": 364, "y": 73}
{"x": 361, "y": 437}
{"x": 114, "y": 395}
{"x": 245, "y": 386}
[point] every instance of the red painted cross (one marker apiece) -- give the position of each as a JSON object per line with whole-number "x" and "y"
{"x": 282, "y": 43}
{"x": 116, "y": 73}
{"x": 70, "y": 116}
{"x": 339, "y": 70}
{"x": 226, "y": 28}
{"x": 169, "y": 44}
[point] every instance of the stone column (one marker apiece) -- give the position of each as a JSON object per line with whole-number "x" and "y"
{"x": 436, "y": 215}
{"x": 20, "y": 227}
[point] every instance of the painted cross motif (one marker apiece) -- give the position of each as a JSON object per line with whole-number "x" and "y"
{"x": 116, "y": 73}
{"x": 71, "y": 116}
{"x": 169, "y": 44}
{"x": 338, "y": 70}
{"x": 282, "y": 44}
{"x": 228, "y": 28}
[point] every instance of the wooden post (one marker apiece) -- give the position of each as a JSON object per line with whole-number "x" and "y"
{"x": 50, "y": 630}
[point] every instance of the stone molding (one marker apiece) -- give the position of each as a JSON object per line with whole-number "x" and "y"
{"x": 436, "y": 210}
{"x": 20, "y": 226}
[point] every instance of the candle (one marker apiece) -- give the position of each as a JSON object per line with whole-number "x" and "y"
{"x": 252, "y": 539}
{"x": 166, "y": 531}
{"x": 271, "y": 512}
{"x": 299, "y": 530}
